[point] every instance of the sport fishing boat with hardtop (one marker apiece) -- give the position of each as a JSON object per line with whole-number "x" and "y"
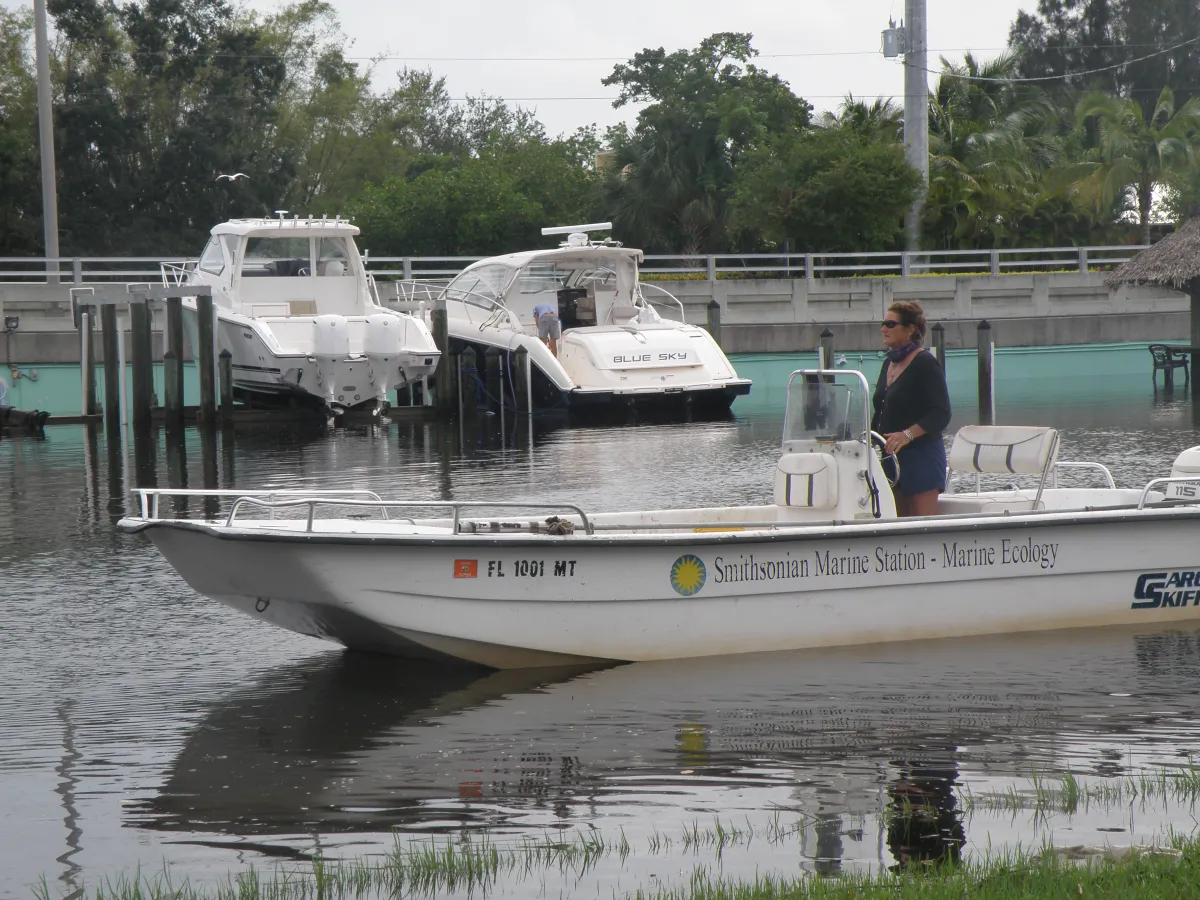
{"x": 300, "y": 314}
{"x": 624, "y": 342}
{"x": 826, "y": 563}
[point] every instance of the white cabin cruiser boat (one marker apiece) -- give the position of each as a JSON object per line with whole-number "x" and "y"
{"x": 300, "y": 315}
{"x": 827, "y": 563}
{"x": 617, "y": 350}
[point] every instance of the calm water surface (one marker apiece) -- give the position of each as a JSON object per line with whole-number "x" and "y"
{"x": 143, "y": 725}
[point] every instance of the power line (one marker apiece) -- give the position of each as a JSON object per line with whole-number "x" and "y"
{"x": 1065, "y": 75}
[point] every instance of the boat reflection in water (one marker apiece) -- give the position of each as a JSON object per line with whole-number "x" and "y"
{"x": 880, "y": 738}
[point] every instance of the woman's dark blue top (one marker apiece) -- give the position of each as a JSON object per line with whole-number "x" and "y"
{"x": 918, "y": 397}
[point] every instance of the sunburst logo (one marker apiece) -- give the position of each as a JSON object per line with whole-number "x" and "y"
{"x": 688, "y": 574}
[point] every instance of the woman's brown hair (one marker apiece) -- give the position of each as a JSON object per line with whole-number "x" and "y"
{"x": 911, "y": 313}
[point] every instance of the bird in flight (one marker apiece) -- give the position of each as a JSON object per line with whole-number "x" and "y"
{"x": 234, "y": 177}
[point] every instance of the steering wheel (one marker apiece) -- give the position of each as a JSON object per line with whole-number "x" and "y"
{"x": 877, "y": 438}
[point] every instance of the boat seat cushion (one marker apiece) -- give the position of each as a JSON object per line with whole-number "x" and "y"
{"x": 806, "y": 480}
{"x": 1003, "y": 449}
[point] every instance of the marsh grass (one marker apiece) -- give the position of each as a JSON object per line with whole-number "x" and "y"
{"x": 1066, "y": 794}
{"x": 1172, "y": 872}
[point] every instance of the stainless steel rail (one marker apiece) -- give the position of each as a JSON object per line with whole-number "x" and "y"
{"x": 148, "y": 498}
{"x": 1099, "y": 467}
{"x": 1173, "y": 480}
{"x": 455, "y": 506}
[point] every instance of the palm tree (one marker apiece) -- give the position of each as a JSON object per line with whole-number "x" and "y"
{"x": 992, "y": 139}
{"x": 882, "y": 120}
{"x": 1134, "y": 154}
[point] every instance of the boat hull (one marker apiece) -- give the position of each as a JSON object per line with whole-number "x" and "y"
{"x": 537, "y": 600}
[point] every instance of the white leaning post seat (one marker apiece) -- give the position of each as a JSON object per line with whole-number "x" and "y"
{"x": 1005, "y": 450}
{"x": 806, "y": 481}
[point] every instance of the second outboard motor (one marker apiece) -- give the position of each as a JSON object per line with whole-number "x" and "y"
{"x": 384, "y": 344}
{"x": 331, "y": 345}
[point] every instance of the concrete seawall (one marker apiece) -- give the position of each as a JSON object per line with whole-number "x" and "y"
{"x": 787, "y": 314}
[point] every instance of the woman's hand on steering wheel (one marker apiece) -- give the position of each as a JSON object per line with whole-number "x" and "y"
{"x": 883, "y": 442}
{"x": 894, "y": 441}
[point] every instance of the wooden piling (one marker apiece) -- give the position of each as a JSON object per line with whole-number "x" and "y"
{"x": 827, "y": 361}
{"x": 225, "y": 365}
{"x": 139, "y": 353}
{"x": 444, "y": 394}
{"x": 172, "y": 389}
{"x": 173, "y": 380}
{"x": 986, "y": 347}
{"x": 205, "y": 361}
{"x": 714, "y": 321}
{"x": 938, "y": 341}
{"x": 112, "y": 372}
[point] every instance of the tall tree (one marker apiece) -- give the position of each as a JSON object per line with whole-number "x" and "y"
{"x": 673, "y": 174}
{"x": 1143, "y": 45}
{"x": 20, "y": 199}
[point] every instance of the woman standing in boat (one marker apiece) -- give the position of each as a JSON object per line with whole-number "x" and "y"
{"x": 912, "y": 408}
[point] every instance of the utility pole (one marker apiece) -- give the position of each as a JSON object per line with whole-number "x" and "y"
{"x": 916, "y": 108}
{"x": 46, "y": 139}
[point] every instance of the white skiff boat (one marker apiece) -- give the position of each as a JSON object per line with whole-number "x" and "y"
{"x": 828, "y": 563}
{"x": 301, "y": 317}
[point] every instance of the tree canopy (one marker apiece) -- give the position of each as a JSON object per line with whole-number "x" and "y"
{"x": 154, "y": 98}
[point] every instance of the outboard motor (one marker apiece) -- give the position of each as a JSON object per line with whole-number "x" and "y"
{"x": 331, "y": 345}
{"x": 384, "y": 344}
{"x": 1187, "y": 464}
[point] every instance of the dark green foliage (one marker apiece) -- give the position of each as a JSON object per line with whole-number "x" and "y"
{"x": 826, "y": 191}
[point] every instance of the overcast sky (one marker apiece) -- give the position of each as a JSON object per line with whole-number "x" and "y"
{"x": 824, "y": 48}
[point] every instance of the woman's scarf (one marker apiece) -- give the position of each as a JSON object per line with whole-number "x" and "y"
{"x": 899, "y": 354}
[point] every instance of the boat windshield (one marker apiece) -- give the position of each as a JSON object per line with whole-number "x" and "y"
{"x": 482, "y": 286}
{"x": 826, "y": 407}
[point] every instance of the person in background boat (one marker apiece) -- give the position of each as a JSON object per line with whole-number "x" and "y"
{"x": 912, "y": 408}
{"x": 549, "y": 328}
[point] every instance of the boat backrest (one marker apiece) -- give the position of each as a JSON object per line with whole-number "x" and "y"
{"x": 1005, "y": 450}
{"x": 806, "y": 480}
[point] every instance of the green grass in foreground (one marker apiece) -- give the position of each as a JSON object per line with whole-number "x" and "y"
{"x": 474, "y": 867}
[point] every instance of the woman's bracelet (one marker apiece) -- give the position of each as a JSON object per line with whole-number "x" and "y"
{"x": 907, "y": 434}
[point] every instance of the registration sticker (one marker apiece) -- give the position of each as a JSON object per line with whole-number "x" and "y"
{"x": 466, "y": 568}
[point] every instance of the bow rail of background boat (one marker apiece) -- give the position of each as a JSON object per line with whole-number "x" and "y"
{"x": 81, "y": 269}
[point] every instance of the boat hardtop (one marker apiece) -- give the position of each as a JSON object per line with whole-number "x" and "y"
{"x": 826, "y": 562}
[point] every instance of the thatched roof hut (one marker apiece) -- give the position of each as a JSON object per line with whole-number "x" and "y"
{"x": 1172, "y": 262}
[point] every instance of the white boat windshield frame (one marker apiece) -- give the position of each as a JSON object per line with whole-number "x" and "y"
{"x": 827, "y": 406}
{"x": 506, "y": 289}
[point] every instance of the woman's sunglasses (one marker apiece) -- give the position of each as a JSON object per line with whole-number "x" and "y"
{"x": 891, "y": 323}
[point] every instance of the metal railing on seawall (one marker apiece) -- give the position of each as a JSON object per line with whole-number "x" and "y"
{"x": 82, "y": 269}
